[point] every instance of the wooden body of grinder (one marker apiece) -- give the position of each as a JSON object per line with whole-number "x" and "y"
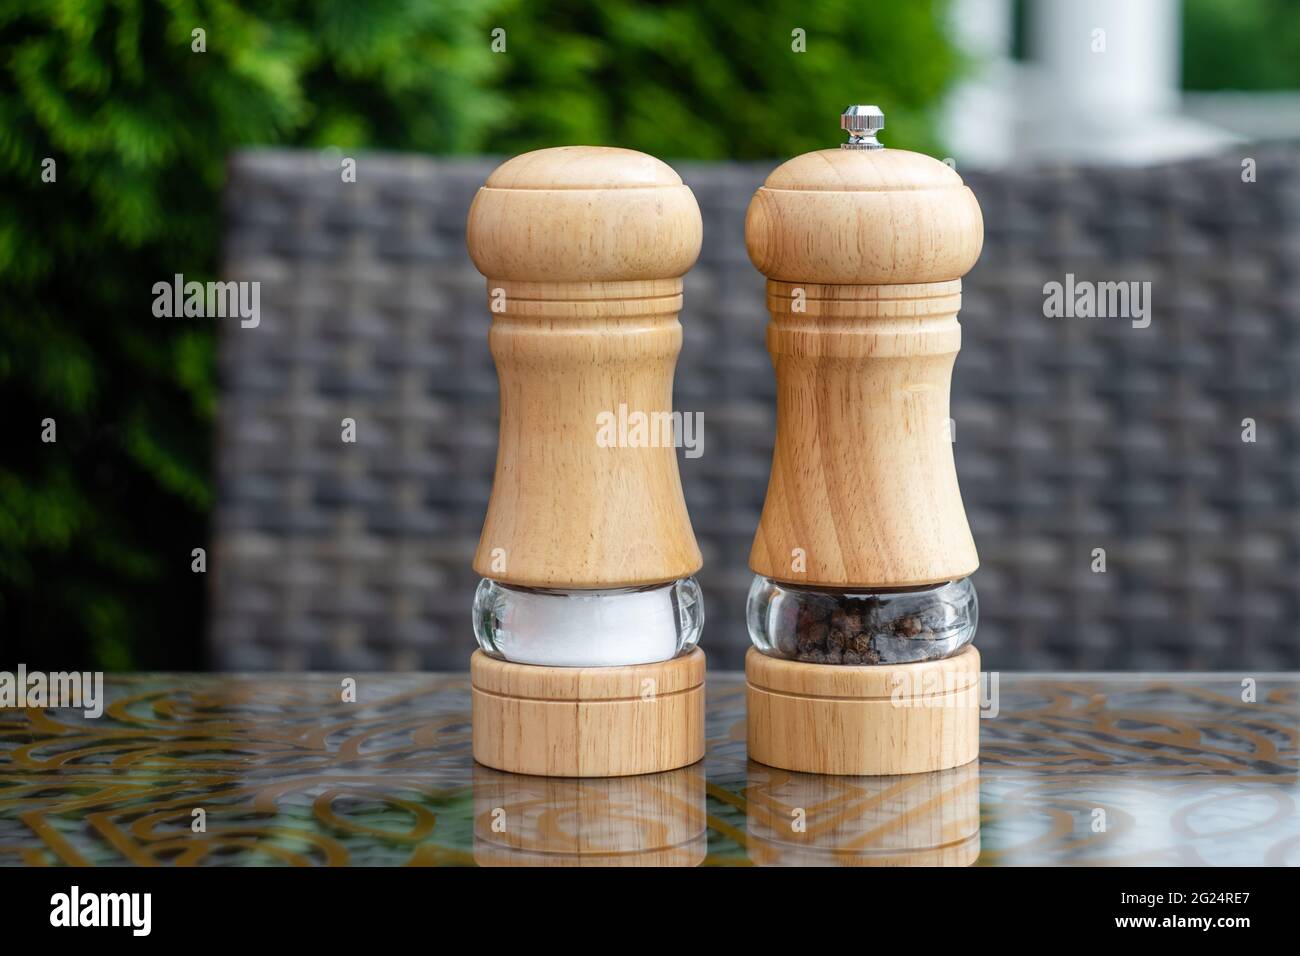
{"x": 862, "y": 612}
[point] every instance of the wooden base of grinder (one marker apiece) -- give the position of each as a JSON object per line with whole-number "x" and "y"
{"x": 588, "y": 721}
{"x": 863, "y": 721}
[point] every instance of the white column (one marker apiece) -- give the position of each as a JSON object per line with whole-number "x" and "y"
{"x": 978, "y": 115}
{"x": 1104, "y": 83}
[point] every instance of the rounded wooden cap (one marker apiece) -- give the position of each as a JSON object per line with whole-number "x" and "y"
{"x": 864, "y": 217}
{"x": 584, "y": 214}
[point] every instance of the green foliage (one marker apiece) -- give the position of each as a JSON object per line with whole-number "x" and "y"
{"x": 1231, "y": 45}
{"x": 97, "y": 529}
{"x": 719, "y": 80}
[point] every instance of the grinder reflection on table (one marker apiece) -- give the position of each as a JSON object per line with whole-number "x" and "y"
{"x": 653, "y": 819}
{"x": 921, "y": 819}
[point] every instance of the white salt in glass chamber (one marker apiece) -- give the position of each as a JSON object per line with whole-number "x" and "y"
{"x": 588, "y": 628}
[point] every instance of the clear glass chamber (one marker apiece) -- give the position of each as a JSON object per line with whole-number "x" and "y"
{"x": 588, "y": 628}
{"x": 861, "y": 626}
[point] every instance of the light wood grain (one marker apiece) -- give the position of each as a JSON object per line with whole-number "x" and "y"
{"x": 864, "y": 252}
{"x": 588, "y": 721}
{"x": 863, "y": 217}
{"x": 891, "y": 719}
{"x": 583, "y": 249}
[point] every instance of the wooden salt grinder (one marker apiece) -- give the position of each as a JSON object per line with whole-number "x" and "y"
{"x": 584, "y": 249}
{"x": 864, "y": 249}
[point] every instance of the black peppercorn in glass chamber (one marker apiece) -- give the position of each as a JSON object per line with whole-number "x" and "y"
{"x": 861, "y": 626}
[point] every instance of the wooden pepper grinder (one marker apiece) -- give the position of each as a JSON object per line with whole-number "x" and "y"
{"x": 862, "y": 611}
{"x": 588, "y": 615}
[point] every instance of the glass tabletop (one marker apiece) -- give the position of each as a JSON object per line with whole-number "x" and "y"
{"x": 274, "y": 769}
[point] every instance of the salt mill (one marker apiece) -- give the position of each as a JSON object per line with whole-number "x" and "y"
{"x": 862, "y": 609}
{"x": 588, "y": 613}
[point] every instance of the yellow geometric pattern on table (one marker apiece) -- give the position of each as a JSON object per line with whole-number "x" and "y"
{"x": 1098, "y": 770}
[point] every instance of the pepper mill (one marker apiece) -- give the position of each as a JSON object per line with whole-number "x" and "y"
{"x": 862, "y": 612}
{"x": 588, "y": 612}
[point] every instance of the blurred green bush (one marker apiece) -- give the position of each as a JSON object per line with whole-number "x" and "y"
{"x": 718, "y": 80}
{"x": 1231, "y": 45}
{"x": 97, "y": 528}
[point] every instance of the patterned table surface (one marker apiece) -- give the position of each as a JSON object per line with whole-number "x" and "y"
{"x": 265, "y": 770}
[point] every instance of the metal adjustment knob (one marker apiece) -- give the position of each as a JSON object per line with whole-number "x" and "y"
{"x": 862, "y": 124}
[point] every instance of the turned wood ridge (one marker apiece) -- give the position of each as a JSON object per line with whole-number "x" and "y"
{"x": 864, "y": 251}
{"x": 584, "y": 249}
